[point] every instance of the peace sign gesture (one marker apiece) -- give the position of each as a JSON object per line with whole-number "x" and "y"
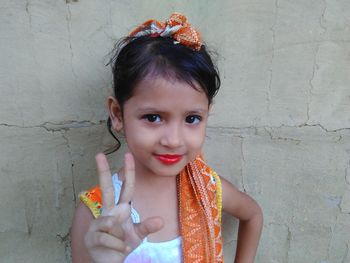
{"x": 112, "y": 236}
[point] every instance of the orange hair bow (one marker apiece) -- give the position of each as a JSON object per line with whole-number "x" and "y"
{"x": 176, "y": 27}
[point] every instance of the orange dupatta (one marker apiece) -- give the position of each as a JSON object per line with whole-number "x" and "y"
{"x": 199, "y": 194}
{"x": 199, "y": 190}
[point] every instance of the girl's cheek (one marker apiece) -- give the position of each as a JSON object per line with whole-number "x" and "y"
{"x": 197, "y": 140}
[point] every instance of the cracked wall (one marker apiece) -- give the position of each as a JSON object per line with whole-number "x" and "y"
{"x": 279, "y": 130}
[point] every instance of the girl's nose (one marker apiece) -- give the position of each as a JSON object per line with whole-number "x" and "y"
{"x": 172, "y": 136}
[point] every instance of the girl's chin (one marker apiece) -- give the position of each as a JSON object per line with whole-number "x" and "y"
{"x": 159, "y": 168}
{"x": 158, "y": 171}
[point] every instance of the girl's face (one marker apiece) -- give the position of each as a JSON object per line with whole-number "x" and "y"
{"x": 164, "y": 124}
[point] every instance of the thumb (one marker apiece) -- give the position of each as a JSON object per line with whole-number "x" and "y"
{"x": 149, "y": 226}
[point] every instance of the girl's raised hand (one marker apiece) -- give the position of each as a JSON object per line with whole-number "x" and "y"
{"x": 112, "y": 236}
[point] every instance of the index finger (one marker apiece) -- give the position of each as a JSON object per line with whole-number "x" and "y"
{"x": 129, "y": 182}
{"x": 106, "y": 184}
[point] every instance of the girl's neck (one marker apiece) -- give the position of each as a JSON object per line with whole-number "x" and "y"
{"x": 147, "y": 177}
{"x": 154, "y": 181}
{"x": 155, "y": 189}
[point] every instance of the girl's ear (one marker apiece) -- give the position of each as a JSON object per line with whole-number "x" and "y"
{"x": 115, "y": 113}
{"x": 210, "y": 107}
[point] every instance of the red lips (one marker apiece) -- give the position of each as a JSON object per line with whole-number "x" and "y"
{"x": 169, "y": 159}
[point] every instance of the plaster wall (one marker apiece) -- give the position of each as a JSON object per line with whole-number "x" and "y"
{"x": 280, "y": 127}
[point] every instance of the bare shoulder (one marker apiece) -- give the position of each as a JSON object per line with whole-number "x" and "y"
{"x": 238, "y": 203}
{"x": 81, "y": 223}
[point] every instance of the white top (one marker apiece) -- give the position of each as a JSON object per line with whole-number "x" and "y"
{"x": 149, "y": 252}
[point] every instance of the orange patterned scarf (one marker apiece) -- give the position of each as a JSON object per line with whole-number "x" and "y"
{"x": 200, "y": 213}
{"x": 199, "y": 190}
{"x": 176, "y": 26}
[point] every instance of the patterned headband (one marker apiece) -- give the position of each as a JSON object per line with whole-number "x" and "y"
{"x": 175, "y": 27}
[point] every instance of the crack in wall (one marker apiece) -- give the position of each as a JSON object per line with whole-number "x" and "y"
{"x": 273, "y": 33}
{"x": 58, "y": 191}
{"x": 67, "y": 248}
{"x": 347, "y": 170}
{"x": 72, "y": 164}
{"x": 288, "y": 239}
{"x": 322, "y": 25}
{"x": 315, "y": 65}
{"x": 311, "y": 89}
{"x": 288, "y": 243}
{"x": 29, "y": 222}
{"x": 322, "y": 127}
{"x": 303, "y": 125}
{"x": 346, "y": 254}
{"x": 68, "y": 18}
{"x": 29, "y": 14}
{"x": 279, "y": 138}
{"x": 33, "y": 54}
{"x": 330, "y": 243}
{"x": 64, "y": 238}
{"x": 242, "y": 166}
{"x": 61, "y": 126}
{"x": 67, "y": 125}
{"x": 303, "y": 43}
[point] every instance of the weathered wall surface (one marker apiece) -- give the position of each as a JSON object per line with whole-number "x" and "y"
{"x": 280, "y": 128}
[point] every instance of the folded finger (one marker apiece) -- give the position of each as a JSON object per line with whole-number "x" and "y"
{"x": 105, "y": 240}
{"x": 107, "y": 224}
{"x": 149, "y": 226}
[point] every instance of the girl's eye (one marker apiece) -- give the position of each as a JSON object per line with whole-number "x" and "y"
{"x": 152, "y": 117}
{"x": 193, "y": 119}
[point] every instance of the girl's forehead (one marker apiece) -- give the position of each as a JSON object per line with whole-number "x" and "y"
{"x": 164, "y": 91}
{"x": 171, "y": 82}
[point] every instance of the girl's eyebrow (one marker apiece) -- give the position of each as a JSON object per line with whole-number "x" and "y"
{"x": 151, "y": 109}
{"x": 148, "y": 109}
{"x": 199, "y": 110}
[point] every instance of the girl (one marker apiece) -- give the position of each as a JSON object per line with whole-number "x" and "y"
{"x": 165, "y": 204}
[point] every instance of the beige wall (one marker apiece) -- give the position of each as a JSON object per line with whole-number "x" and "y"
{"x": 280, "y": 129}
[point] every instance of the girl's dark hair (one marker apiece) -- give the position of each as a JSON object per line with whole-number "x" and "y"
{"x": 136, "y": 58}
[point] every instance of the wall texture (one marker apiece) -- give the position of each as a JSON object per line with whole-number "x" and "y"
{"x": 280, "y": 128}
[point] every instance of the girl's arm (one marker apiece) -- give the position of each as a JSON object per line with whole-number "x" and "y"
{"x": 81, "y": 222}
{"x": 249, "y": 213}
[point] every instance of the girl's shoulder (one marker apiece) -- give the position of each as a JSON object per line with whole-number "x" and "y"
{"x": 218, "y": 190}
{"x": 92, "y": 198}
